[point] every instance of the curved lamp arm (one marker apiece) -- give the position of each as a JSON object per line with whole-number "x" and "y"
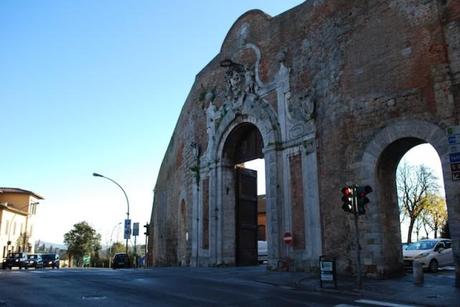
{"x": 126, "y": 196}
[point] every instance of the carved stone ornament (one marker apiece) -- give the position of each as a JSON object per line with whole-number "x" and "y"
{"x": 302, "y": 109}
{"x": 240, "y": 81}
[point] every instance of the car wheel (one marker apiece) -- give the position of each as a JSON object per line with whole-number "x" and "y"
{"x": 434, "y": 265}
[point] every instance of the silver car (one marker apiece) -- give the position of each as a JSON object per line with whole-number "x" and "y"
{"x": 432, "y": 253}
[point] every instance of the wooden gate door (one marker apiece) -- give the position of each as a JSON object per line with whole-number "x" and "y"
{"x": 246, "y": 216}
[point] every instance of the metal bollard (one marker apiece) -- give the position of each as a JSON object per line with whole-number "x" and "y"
{"x": 417, "y": 271}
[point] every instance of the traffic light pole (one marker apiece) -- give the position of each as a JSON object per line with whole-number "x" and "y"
{"x": 358, "y": 246}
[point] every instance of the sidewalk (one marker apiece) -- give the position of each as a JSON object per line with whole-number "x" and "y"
{"x": 438, "y": 289}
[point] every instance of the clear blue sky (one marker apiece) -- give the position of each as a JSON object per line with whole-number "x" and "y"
{"x": 97, "y": 86}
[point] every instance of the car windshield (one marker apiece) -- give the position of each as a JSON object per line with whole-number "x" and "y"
{"x": 32, "y": 256}
{"x": 421, "y": 245}
{"x": 15, "y": 255}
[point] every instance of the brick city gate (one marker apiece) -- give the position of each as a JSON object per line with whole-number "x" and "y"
{"x": 328, "y": 93}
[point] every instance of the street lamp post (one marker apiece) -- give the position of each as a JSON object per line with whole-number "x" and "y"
{"x": 127, "y": 201}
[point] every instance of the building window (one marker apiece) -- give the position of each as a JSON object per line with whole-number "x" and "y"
{"x": 7, "y": 226}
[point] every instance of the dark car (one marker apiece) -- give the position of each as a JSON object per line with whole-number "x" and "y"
{"x": 50, "y": 261}
{"x": 120, "y": 260}
{"x": 34, "y": 261}
{"x": 15, "y": 260}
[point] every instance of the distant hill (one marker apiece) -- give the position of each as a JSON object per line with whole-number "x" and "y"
{"x": 39, "y": 244}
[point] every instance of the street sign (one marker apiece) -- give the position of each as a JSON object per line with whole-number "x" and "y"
{"x": 455, "y": 167}
{"x": 453, "y": 130}
{"x": 453, "y": 135}
{"x": 454, "y": 157}
{"x": 287, "y": 238}
{"x": 456, "y": 176}
{"x": 127, "y": 234}
{"x": 453, "y": 138}
{"x": 86, "y": 260}
{"x": 454, "y": 148}
{"x": 135, "y": 229}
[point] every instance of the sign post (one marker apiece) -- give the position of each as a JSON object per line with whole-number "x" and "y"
{"x": 453, "y": 139}
{"x": 135, "y": 234}
{"x": 358, "y": 246}
{"x": 288, "y": 240}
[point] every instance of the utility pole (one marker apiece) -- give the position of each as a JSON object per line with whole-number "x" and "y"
{"x": 358, "y": 246}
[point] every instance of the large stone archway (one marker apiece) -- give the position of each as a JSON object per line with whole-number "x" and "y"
{"x": 222, "y": 183}
{"x": 290, "y": 167}
{"x": 378, "y": 168}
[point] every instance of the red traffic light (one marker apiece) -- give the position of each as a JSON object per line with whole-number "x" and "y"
{"x": 347, "y": 191}
{"x": 362, "y": 199}
{"x": 347, "y": 196}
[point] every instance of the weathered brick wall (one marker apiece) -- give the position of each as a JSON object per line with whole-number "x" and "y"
{"x": 389, "y": 54}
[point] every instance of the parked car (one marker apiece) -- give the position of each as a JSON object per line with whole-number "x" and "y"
{"x": 262, "y": 251}
{"x": 121, "y": 260}
{"x": 50, "y": 261}
{"x": 432, "y": 253}
{"x": 34, "y": 261}
{"x": 15, "y": 260}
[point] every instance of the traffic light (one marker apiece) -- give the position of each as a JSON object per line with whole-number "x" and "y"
{"x": 147, "y": 227}
{"x": 347, "y": 199}
{"x": 362, "y": 199}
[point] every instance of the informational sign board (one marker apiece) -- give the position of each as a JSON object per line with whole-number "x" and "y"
{"x": 453, "y": 139}
{"x": 327, "y": 268}
{"x": 135, "y": 229}
{"x": 86, "y": 260}
{"x": 326, "y": 271}
{"x": 127, "y": 229}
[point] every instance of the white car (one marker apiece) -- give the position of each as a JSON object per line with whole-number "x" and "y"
{"x": 432, "y": 253}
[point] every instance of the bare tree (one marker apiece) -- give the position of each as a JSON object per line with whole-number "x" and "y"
{"x": 414, "y": 183}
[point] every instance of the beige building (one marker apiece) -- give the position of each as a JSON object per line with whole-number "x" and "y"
{"x": 18, "y": 208}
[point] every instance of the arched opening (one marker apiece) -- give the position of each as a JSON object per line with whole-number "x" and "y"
{"x": 243, "y": 144}
{"x": 420, "y": 172}
{"x": 423, "y": 209}
{"x": 392, "y": 227}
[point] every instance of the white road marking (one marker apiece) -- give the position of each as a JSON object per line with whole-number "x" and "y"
{"x": 381, "y": 303}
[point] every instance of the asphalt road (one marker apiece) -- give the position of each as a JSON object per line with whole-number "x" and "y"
{"x": 152, "y": 287}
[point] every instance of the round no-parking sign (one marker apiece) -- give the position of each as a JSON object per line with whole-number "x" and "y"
{"x": 287, "y": 238}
